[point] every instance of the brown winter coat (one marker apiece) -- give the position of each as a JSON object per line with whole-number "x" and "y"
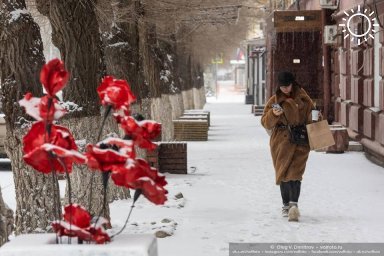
{"x": 288, "y": 159}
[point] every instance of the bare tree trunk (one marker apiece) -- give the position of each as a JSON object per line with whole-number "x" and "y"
{"x": 121, "y": 42}
{"x": 21, "y": 58}
{"x": 186, "y": 76}
{"x": 161, "y": 109}
{"x": 6, "y": 221}
{"x": 176, "y": 82}
{"x": 198, "y": 86}
{"x": 75, "y": 32}
{"x": 121, "y": 49}
{"x": 170, "y": 106}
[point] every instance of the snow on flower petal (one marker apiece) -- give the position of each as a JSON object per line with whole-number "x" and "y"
{"x": 116, "y": 93}
{"x": 67, "y": 156}
{"x": 38, "y": 107}
{"x": 77, "y": 223}
{"x": 140, "y": 132}
{"x": 63, "y": 228}
{"x": 152, "y": 129}
{"x": 50, "y": 111}
{"x": 97, "y": 231}
{"x": 37, "y": 136}
{"x": 99, "y": 235}
{"x": 45, "y": 158}
{"x": 152, "y": 191}
{"x": 31, "y": 105}
{"x": 108, "y": 153}
{"x": 41, "y": 152}
{"x": 137, "y": 174}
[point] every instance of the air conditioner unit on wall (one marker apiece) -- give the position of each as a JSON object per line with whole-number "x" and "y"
{"x": 329, "y": 4}
{"x": 330, "y": 33}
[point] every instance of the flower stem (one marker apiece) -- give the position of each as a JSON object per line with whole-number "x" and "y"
{"x": 106, "y": 113}
{"x": 105, "y": 185}
{"x": 135, "y": 197}
{"x": 68, "y": 179}
{"x": 56, "y": 197}
{"x": 69, "y": 193}
{"x": 48, "y": 123}
{"x": 69, "y": 186}
{"x": 55, "y": 212}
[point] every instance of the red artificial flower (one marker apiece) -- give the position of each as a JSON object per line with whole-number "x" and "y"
{"x": 141, "y": 132}
{"x": 37, "y": 136}
{"x": 152, "y": 129}
{"x": 53, "y": 76}
{"x": 63, "y": 228}
{"x": 41, "y": 151}
{"x": 98, "y": 233}
{"x": 116, "y": 93}
{"x": 138, "y": 174}
{"x": 77, "y": 223}
{"x": 77, "y": 215}
{"x": 108, "y": 153}
{"x": 154, "y": 193}
{"x": 48, "y": 157}
{"x": 38, "y": 108}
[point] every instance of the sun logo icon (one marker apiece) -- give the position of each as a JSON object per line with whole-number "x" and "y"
{"x": 361, "y": 36}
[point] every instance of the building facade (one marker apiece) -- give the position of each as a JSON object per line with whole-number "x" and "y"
{"x": 348, "y": 60}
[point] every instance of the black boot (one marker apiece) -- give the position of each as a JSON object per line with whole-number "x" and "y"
{"x": 294, "y": 190}
{"x": 284, "y": 189}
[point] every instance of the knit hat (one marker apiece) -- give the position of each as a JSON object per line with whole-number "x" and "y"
{"x": 285, "y": 78}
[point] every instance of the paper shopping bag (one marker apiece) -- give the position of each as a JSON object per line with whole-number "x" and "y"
{"x": 319, "y": 135}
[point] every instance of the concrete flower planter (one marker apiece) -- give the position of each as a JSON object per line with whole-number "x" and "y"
{"x": 44, "y": 245}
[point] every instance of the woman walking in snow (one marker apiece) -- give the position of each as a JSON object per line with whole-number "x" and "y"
{"x": 289, "y": 160}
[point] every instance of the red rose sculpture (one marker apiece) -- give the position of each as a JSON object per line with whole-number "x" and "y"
{"x": 77, "y": 223}
{"x": 108, "y": 153}
{"x": 45, "y": 108}
{"x": 141, "y": 132}
{"x": 53, "y": 76}
{"x": 51, "y": 148}
{"x": 137, "y": 174}
{"x": 116, "y": 93}
{"x": 43, "y": 152}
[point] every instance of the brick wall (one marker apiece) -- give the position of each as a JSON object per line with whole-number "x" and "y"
{"x": 369, "y": 123}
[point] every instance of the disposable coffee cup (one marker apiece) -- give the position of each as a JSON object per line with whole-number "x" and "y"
{"x": 315, "y": 115}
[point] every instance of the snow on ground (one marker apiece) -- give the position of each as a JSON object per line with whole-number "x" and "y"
{"x": 230, "y": 195}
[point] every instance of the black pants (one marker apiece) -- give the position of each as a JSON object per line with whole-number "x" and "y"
{"x": 290, "y": 191}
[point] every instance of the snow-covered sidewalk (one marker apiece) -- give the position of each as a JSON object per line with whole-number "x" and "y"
{"x": 230, "y": 195}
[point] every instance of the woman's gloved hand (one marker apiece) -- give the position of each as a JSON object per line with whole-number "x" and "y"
{"x": 277, "y": 112}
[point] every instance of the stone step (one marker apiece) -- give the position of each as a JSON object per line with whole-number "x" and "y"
{"x": 355, "y": 146}
{"x": 256, "y": 108}
{"x": 258, "y": 113}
